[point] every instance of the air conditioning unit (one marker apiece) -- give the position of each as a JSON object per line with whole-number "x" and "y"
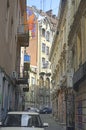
{"x": 14, "y": 75}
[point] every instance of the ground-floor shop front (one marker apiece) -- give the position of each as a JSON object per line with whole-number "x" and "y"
{"x": 80, "y": 107}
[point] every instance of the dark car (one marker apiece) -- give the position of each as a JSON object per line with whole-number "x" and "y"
{"x": 32, "y": 109}
{"x": 45, "y": 110}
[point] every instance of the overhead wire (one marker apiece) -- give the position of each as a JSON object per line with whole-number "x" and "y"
{"x": 50, "y": 4}
{"x": 44, "y": 5}
{"x": 41, "y": 4}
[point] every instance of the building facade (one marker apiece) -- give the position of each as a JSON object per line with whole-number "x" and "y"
{"x": 12, "y": 18}
{"x": 46, "y": 27}
{"x": 40, "y": 43}
{"x": 62, "y": 72}
{"x": 68, "y": 57}
{"x": 32, "y": 51}
{"x": 77, "y": 45}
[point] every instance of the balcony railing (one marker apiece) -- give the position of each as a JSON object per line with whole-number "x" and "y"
{"x": 22, "y": 78}
{"x": 23, "y": 35}
{"x": 22, "y": 75}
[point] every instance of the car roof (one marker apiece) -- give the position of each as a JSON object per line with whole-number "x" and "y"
{"x": 23, "y": 112}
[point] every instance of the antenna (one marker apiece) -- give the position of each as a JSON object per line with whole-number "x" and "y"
{"x": 51, "y": 4}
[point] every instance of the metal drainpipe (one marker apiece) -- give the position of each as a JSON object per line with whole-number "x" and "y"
{"x": 66, "y": 94}
{"x": 66, "y": 112}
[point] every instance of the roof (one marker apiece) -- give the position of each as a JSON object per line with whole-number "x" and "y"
{"x": 40, "y": 14}
{"x": 23, "y": 112}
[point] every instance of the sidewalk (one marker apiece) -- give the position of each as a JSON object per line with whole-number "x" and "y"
{"x": 61, "y": 126}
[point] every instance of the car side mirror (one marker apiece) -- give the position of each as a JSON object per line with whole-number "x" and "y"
{"x": 45, "y": 125}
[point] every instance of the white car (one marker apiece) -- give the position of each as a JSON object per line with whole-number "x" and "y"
{"x": 23, "y": 121}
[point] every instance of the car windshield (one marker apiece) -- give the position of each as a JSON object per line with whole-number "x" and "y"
{"x": 22, "y": 120}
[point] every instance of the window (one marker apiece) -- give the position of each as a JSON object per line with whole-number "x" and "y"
{"x": 47, "y": 63}
{"x": 32, "y": 80}
{"x": 22, "y": 120}
{"x": 48, "y": 36}
{"x": 43, "y": 47}
{"x": 48, "y": 83}
{"x": 79, "y": 48}
{"x": 41, "y": 81}
{"x": 43, "y": 62}
{"x": 47, "y": 50}
{"x": 43, "y": 32}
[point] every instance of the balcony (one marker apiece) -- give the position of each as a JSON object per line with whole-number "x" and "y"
{"x": 42, "y": 73}
{"x": 48, "y": 74}
{"x": 22, "y": 75}
{"x": 23, "y": 35}
{"x": 22, "y": 78}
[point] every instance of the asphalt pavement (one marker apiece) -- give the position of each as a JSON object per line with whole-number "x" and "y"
{"x": 53, "y": 125}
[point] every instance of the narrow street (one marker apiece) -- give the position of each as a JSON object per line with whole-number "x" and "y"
{"x": 53, "y": 125}
{"x": 43, "y": 64}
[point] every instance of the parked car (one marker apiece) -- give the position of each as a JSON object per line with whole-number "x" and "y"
{"x": 22, "y": 121}
{"x": 45, "y": 110}
{"x": 32, "y": 109}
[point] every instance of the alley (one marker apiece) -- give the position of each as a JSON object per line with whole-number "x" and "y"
{"x": 43, "y": 63}
{"x": 53, "y": 125}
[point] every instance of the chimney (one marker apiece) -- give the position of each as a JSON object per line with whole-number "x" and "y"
{"x": 54, "y": 16}
{"x": 49, "y": 12}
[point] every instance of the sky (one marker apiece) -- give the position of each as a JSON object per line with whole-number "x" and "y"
{"x": 45, "y": 5}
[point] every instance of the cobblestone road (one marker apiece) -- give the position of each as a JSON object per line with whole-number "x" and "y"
{"x": 53, "y": 125}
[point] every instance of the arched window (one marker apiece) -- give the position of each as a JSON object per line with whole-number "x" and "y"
{"x": 41, "y": 81}
{"x": 48, "y": 83}
{"x": 79, "y": 48}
